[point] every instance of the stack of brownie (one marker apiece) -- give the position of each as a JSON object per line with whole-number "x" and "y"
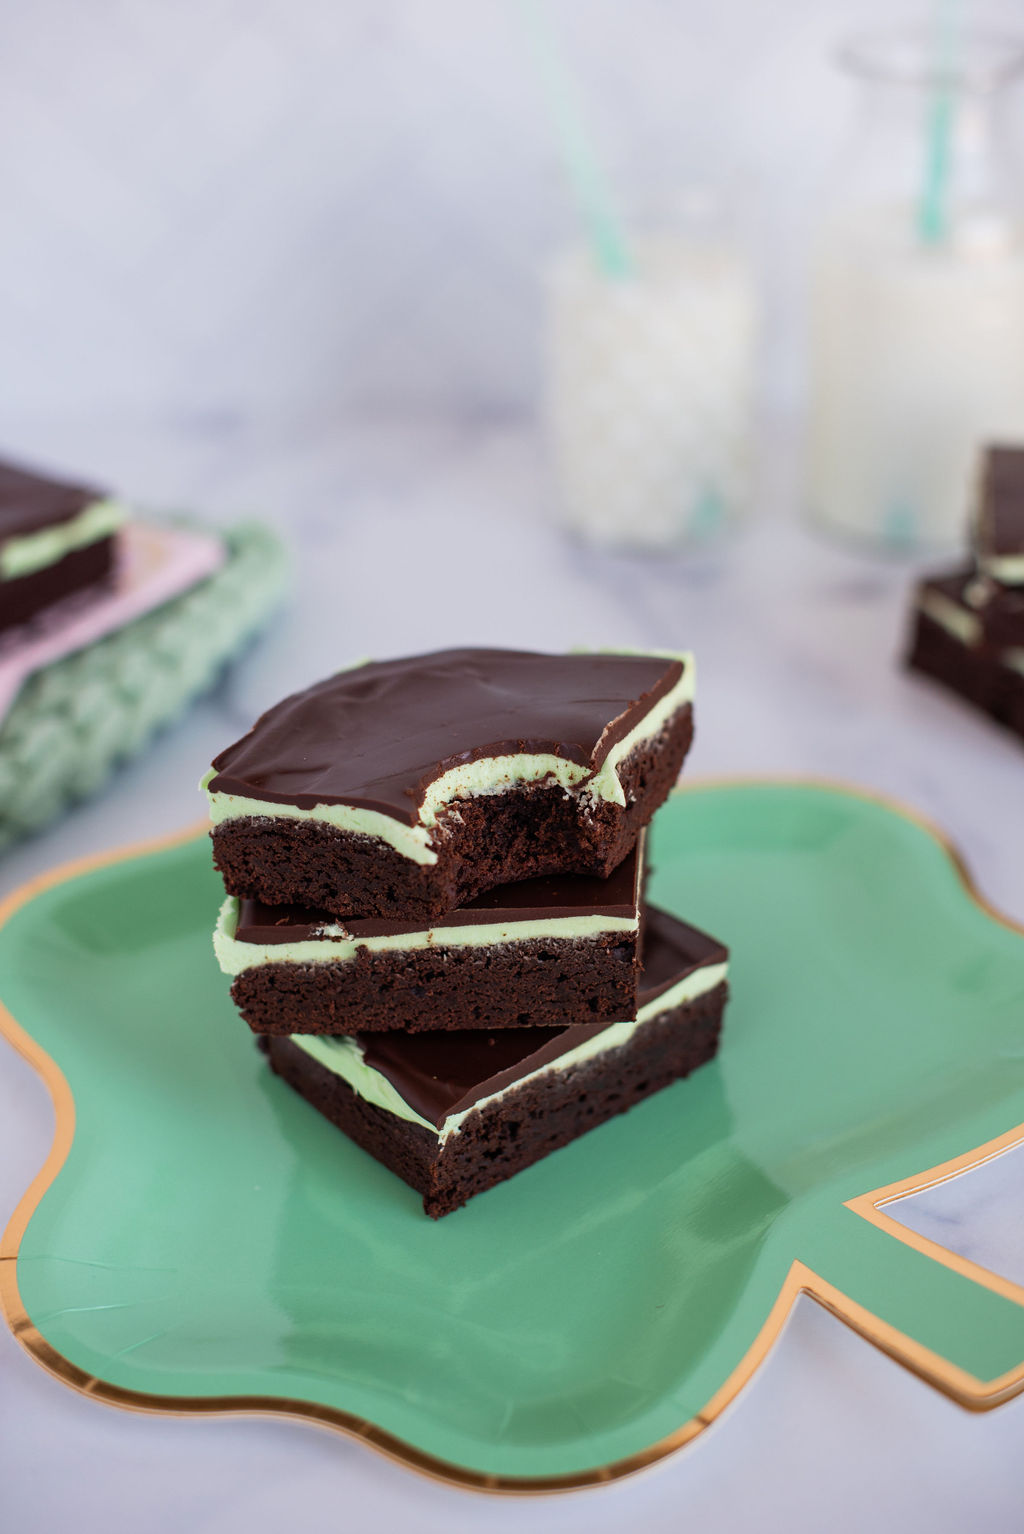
{"x": 435, "y": 917}
{"x": 968, "y": 624}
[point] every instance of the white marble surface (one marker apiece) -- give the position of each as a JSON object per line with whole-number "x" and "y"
{"x": 424, "y": 534}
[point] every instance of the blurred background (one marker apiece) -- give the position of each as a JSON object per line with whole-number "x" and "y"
{"x": 220, "y": 210}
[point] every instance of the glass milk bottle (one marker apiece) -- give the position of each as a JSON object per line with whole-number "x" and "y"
{"x": 917, "y": 322}
{"x": 648, "y": 389}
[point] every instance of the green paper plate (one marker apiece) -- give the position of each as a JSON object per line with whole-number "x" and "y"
{"x": 212, "y": 1243}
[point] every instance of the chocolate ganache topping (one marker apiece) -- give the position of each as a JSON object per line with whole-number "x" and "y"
{"x": 378, "y": 735}
{"x": 442, "y": 1072}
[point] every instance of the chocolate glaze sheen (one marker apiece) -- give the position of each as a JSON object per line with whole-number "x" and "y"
{"x": 376, "y": 736}
{"x": 557, "y": 895}
{"x": 443, "y": 1072}
{"x": 30, "y": 502}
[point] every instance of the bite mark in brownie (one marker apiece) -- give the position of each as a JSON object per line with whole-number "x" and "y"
{"x": 401, "y": 773}
{"x": 526, "y": 832}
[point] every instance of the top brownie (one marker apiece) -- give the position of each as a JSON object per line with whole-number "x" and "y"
{"x": 998, "y": 532}
{"x": 407, "y": 787}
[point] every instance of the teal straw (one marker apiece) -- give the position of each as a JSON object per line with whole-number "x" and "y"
{"x": 593, "y": 192}
{"x": 933, "y": 208}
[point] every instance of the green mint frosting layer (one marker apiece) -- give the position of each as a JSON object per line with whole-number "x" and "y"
{"x": 343, "y": 1056}
{"x": 34, "y": 551}
{"x": 489, "y": 775}
{"x": 337, "y": 946}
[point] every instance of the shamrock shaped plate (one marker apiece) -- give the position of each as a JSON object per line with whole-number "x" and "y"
{"x": 201, "y": 1240}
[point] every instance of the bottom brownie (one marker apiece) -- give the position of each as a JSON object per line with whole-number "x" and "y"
{"x": 502, "y": 1138}
{"x": 455, "y": 1112}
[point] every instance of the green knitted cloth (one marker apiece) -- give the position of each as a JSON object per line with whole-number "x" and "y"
{"x": 74, "y": 721}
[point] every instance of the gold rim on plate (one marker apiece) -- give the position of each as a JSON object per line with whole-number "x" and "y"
{"x": 964, "y": 1388}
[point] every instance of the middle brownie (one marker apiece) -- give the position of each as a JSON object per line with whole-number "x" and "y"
{"x": 544, "y": 952}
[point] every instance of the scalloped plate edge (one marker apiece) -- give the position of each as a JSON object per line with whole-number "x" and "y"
{"x": 961, "y": 1386}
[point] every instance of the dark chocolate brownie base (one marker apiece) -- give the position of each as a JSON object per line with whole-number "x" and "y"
{"x": 487, "y": 840}
{"x": 29, "y": 596}
{"x": 539, "y": 983}
{"x": 974, "y": 672}
{"x": 503, "y": 1138}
